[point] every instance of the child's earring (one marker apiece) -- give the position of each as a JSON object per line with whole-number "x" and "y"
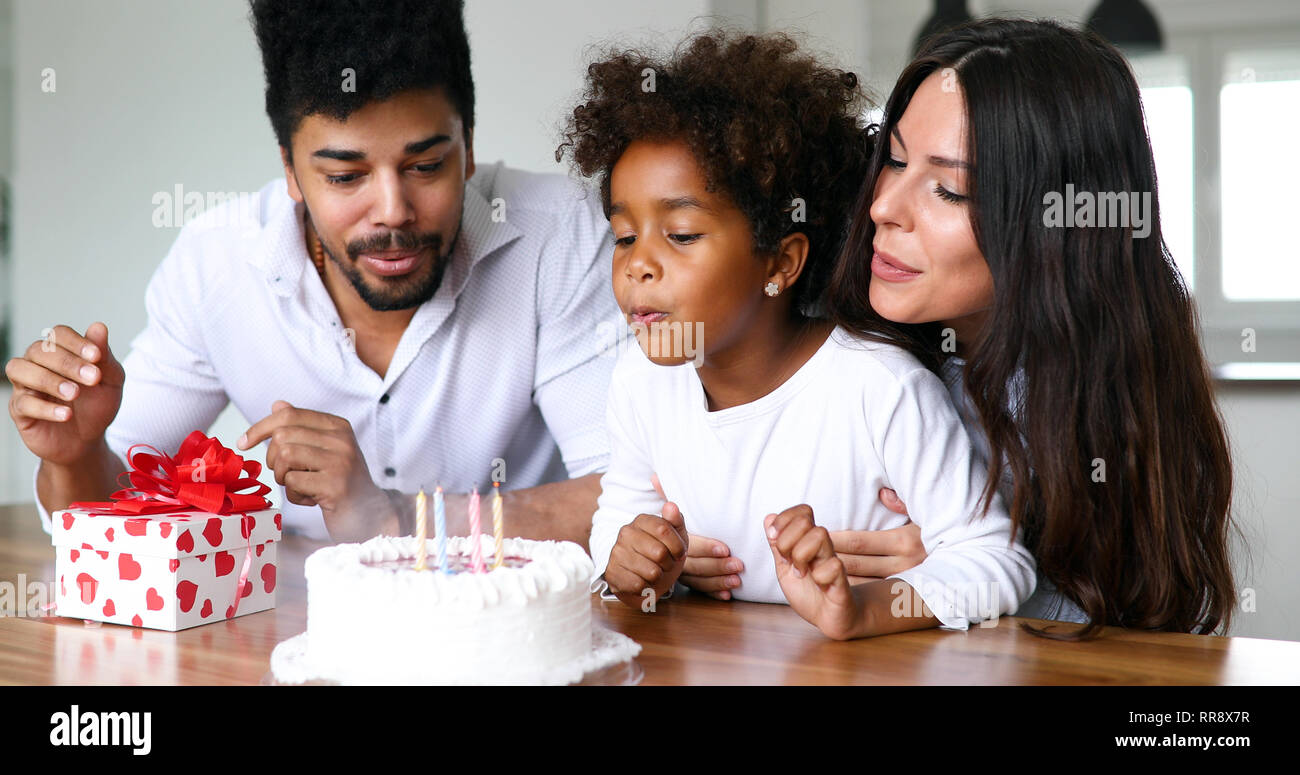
{"x": 771, "y": 289}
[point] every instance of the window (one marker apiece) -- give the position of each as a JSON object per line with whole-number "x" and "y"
{"x": 1259, "y": 129}
{"x": 1223, "y": 113}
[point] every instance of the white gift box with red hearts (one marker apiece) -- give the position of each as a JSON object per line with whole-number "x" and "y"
{"x": 164, "y": 571}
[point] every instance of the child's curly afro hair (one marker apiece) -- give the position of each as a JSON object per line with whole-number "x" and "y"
{"x": 767, "y": 123}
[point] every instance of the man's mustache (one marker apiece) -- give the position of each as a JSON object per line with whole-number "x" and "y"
{"x": 396, "y": 241}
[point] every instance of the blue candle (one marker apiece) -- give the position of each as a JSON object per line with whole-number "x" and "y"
{"x": 440, "y": 525}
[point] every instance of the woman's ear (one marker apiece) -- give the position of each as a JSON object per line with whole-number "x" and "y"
{"x": 791, "y": 257}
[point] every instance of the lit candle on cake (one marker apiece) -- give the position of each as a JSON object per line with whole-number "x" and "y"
{"x": 440, "y": 525}
{"x": 475, "y": 534}
{"x": 421, "y": 529}
{"x": 497, "y": 528}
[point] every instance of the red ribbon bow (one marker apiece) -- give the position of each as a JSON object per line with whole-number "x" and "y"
{"x": 203, "y": 475}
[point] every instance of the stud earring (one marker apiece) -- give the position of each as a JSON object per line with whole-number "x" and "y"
{"x": 771, "y": 289}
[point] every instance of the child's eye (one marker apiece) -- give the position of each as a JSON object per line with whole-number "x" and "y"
{"x": 625, "y": 241}
{"x": 684, "y": 239}
{"x": 948, "y": 196}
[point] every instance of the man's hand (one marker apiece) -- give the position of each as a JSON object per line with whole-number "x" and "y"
{"x": 649, "y": 554}
{"x": 811, "y": 575}
{"x": 316, "y": 457}
{"x": 67, "y": 390}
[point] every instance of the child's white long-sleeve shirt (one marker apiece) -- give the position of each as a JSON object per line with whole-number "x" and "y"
{"x": 858, "y": 416}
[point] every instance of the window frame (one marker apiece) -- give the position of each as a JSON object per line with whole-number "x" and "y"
{"x": 1276, "y": 323}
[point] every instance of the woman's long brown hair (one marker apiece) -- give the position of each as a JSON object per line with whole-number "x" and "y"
{"x": 1122, "y": 476}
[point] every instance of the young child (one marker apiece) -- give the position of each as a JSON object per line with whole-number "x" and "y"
{"x": 726, "y": 172}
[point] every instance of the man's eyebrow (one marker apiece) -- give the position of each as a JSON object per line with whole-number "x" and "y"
{"x": 340, "y": 154}
{"x": 938, "y": 161}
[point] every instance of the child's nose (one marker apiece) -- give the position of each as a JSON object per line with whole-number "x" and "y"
{"x": 641, "y": 264}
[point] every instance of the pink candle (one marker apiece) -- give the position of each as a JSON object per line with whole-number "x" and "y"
{"x": 475, "y": 534}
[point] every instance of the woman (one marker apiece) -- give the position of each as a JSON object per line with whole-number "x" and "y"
{"x": 1072, "y": 349}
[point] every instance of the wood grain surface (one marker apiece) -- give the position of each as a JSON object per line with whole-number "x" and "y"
{"x": 688, "y": 640}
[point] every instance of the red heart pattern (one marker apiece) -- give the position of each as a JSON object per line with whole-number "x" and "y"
{"x": 130, "y": 568}
{"x": 213, "y": 532}
{"x": 87, "y": 584}
{"x": 127, "y": 568}
{"x": 185, "y": 592}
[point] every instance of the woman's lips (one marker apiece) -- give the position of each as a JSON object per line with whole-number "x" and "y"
{"x": 391, "y": 266}
{"x": 888, "y": 268}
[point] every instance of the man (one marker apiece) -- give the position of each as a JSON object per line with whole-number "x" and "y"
{"x": 394, "y": 316}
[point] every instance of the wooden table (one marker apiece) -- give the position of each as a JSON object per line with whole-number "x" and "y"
{"x": 691, "y": 640}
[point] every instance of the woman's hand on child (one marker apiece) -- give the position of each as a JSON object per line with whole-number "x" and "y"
{"x": 649, "y": 554}
{"x": 811, "y": 575}
{"x": 877, "y": 554}
{"x": 710, "y": 568}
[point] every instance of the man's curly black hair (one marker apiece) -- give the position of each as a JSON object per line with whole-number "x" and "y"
{"x": 391, "y": 47}
{"x": 766, "y": 122}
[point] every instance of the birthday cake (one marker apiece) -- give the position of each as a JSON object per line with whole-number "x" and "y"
{"x": 372, "y": 618}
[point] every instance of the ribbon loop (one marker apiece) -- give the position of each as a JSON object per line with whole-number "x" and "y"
{"x": 203, "y": 475}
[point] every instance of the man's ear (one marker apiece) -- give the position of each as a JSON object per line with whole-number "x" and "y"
{"x": 294, "y": 192}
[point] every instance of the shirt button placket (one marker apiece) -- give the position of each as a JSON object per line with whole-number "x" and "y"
{"x": 384, "y": 426}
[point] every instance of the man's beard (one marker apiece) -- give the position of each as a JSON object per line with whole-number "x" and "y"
{"x": 402, "y": 292}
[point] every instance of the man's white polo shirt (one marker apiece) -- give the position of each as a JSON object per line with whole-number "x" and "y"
{"x": 510, "y": 359}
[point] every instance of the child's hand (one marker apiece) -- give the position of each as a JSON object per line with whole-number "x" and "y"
{"x": 649, "y": 554}
{"x": 811, "y": 575}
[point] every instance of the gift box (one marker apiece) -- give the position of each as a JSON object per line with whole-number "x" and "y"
{"x": 177, "y": 548}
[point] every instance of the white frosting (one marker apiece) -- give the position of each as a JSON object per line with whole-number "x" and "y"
{"x": 386, "y": 625}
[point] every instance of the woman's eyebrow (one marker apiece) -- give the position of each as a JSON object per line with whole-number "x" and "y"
{"x": 938, "y": 161}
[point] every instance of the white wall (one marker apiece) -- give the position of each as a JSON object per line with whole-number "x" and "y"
{"x": 529, "y": 61}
